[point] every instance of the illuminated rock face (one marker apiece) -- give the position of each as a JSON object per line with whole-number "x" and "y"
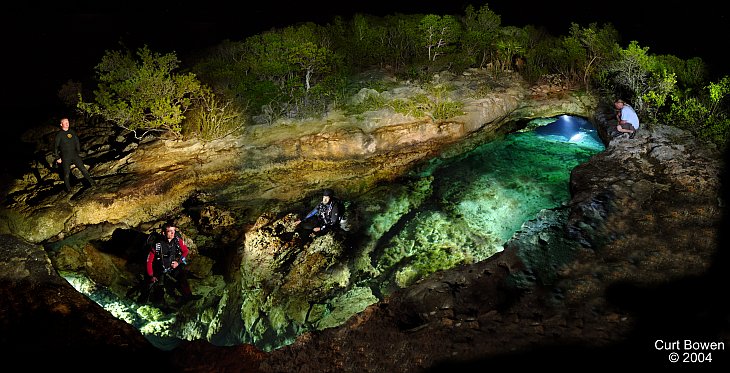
{"x": 144, "y": 181}
{"x": 229, "y": 185}
{"x": 549, "y": 284}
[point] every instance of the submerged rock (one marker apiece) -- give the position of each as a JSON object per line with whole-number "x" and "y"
{"x": 643, "y": 221}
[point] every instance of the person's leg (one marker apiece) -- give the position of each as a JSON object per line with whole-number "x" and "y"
{"x": 66, "y": 170}
{"x": 306, "y": 227}
{"x": 184, "y": 288}
{"x": 170, "y": 286}
{"x": 80, "y": 165}
{"x": 631, "y": 129}
{"x": 157, "y": 294}
{"x": 182, "y": 284}
{"x": 626, "y": 128}
{"x": 144, "y": 289}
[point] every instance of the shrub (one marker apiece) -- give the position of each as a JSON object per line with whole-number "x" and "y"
{"x": 142, "y": 94}
{"x": 212, "y": 118}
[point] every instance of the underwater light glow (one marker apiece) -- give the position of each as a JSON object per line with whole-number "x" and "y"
{"x": 457, "y": 210}
{"x": 571, "y": 129}
{"x": 576, "y": 138}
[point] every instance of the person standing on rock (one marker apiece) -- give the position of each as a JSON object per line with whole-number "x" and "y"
{"x": 326, "y": 215}
{"x": 628, "y": 121}
{"x": 66, "y": 150}
{"x": 166, "y": 266}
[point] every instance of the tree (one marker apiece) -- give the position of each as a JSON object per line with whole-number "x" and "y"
{"x": 644, "y": 78}
{"x": 511, "y": 43}
{"x": 311, "y": 60}
{"x": 213, "y": 117}
{"x": 482, "y": 29}
{"x": 591, "y": 48}
{"x": 543, "y": 54}
{"x": 439, "y": 33}
{"x": 142, "y": 94}
{"x": 705, "y": 114}
{"x": 362, "y": 42}
{"x": 401, "y": 41}
{"x": 691, "y": 74}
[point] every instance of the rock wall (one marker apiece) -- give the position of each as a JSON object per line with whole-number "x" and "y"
{"x": 142, "y": 181}
{"x": 636, "y": 251}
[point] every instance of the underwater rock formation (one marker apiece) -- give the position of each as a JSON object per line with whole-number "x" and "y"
{"x": 582, "y": 278}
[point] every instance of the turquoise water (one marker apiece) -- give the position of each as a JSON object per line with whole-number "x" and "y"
{"x": 449, "y": 212}
{"x": 479, "y": 200}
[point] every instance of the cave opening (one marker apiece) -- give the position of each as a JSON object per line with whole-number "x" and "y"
{"x": 450, "y": 211}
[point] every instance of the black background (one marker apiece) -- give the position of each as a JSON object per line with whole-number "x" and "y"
{"x": 46, "y": 45}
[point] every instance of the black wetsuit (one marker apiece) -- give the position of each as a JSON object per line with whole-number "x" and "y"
{"x": 327, "y": 216}
{"x": 67, "y": 147}
{"x": 159, "y": 259}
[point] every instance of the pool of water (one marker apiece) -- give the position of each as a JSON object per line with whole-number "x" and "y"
{"x": 480, "y": 199}
{"x": 449, "y": 212}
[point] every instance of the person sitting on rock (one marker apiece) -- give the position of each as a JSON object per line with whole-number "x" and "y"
{"x": 628, "y": 121}
{"x": 166, "y": 266}
{"x": 325, "y": 217}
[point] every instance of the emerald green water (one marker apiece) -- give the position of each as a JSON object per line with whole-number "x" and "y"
{"x": 448, "y": 212}
{"x": 478, "y": 201}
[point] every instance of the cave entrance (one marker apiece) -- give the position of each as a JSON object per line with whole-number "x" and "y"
{"x": 447, "y": 212}
{"x": 479, "y": 199}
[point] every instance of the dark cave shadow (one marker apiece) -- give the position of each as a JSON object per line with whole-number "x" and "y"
{"x": 691, "y": 308}
{"x": 687, "y": 309}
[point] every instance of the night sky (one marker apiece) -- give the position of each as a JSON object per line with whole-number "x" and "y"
{"x": 46, "y": 45}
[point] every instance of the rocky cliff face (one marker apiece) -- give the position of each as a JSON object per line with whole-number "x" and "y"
{"x": 634, "y": 259}
{"x": 644, "y": 221}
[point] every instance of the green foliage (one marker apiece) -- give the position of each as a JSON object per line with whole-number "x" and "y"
{"x": 643, "y": 78}
{"x": 511, "y": 43}
{"x": 543, "y": 55}
{"x": 224, "y": 69}
{"x": 276, "y": 73}
{"x": 440, "y": 105}
{"x": 436, "y": 104}
{"x": 717, "y": 130}
{"x": 718, "y": 91}
{"x": 330, "y": 92}
{"x": 717, "y": 127}
{"x": 685, "y": 112}
{"x": 589, "y": 49}
{"x": 402, "y": 43}
{"x": 481, "y": 31}
{"x": 415, "y": 73}
{"x": 370, "y": 102}
{"x": 694, "y": 72}
{"x": 142, "y": 94}
{"x": 311, "y": 60}
{"x": 439, "y": 34}
{"x": 656, "y": 96}
{"x": 364, "y": 47}
{"x": 447, "y": 109}
{"x": 690, "y": 74}
{"x": 286, "y": 73}
{"x": 706, "y": 114}
{"x": 408, "y": 107}
{"x": 393, "y": 41}
{"x": 212, "y": 117}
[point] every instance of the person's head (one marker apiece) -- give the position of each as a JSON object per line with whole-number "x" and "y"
{"x": 169, "y": 230}
{"x": 327, "y": 195}
{"x": 64, "y": 124}
{"x": 619, "y": 104}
